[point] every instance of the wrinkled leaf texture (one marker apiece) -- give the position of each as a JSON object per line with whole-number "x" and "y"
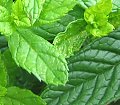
{"x": 94, "y": 77}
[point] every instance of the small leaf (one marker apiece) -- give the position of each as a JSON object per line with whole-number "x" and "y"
{"x": 94, "y": 77}
{"x": 5, "y": 26}
{"x": 33, "y": 9}
{"x": 38, "y": 56}
{"x": 53, "y": 10}
{"x": 19, "y": 15}
{"x": 97, "y": 18}
{"x": 17, "y": 96}
{"x": 72, "y": 39}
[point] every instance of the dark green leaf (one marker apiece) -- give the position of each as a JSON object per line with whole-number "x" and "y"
{"x": 94, "y": 77}
{"x": 49, "y": 31}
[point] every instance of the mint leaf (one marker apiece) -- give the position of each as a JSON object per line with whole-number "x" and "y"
{"x": 19, "y": 77}
{"x": 19, "y": 16}
{"x": 72, "y": 39}
{"x": 3, "y": 91}
{"x": 3, "y": 74}
{"x": 94, "y": 76}
{"x": 87, "y": 3}
{"x": 7, "y": 4}
{"x": 17, "y": 96}
{"x": 97, "y": 18}
{"x": 53, "y": 10}
{"x": 116, "y": 5}
{"x": 49, "y": 31}
{"x": 114, "y": 18}
{"x": 33, "y": 9}
{"x": 5, "y": 26}
{"x": 38, "y": 56}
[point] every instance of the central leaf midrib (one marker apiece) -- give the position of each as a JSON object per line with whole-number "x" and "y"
{"x": 42, "y": 58}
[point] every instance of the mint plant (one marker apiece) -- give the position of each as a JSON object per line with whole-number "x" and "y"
{"x": 59, "y": 52}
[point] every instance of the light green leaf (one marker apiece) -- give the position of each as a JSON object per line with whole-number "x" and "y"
{"x": 3, "y": 91}
{"x": 116, "y": 5}
{"x": 26, "y": 12}
{"x": 5, "y": 26}
{"x": 17, "y": 96}
{"x": 114, "y": 18}
{"x": 33, "y": 9}
{"x": 72, "y": 39}
{"x": 53, "y": 10}
{"x": 38, "y": 56}
{"x": 19, "y": 15}
{"x": 7, "y": 4}
{"x": 49, "y": 31}
{"x": 94, "y": 77}
{"x": 97, "y": 18}
{"x": 3, "y": 74}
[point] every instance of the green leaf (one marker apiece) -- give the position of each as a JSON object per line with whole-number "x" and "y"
{"x": 49, "y": 31}
{"x": 19, "y": 77}
{"x": 87, "y": 3}
{"x": 3, "y": 74}
{"x": 7, "y": 4}
{"x": 72, "y": 39}
{"x": 17, "y": 96}
{"x": 97, "y": 18}
{"x": 5, "y": 26}
{"x": 26, "y": 12}
{"x": 114, "y": 18}
{"x": 53, "y": 10}
{"x": 94, "y": 76}
{"x": 33, "y": 9}
{"x": 19, "y": 16}
{"x": 116, "y": 5}
{"x": 3, "y": 91}
{"x": 38, "y": 56}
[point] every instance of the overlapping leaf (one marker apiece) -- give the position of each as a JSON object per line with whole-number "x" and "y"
{"x": 114, "y": 18}
{"x": 72, "y": 39}
{"x": 26, "y": 12}
{"x": 94, "y": 77}
{"x": 38, "y": 56}
{"x": 5, "y": 26}
{"x": 33, "y": 9}
{"x": 53, "y": 10}
{"x": 49, "y": 31}
{"x": 17, "y": 96}
{"x": 97, "y": 18}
